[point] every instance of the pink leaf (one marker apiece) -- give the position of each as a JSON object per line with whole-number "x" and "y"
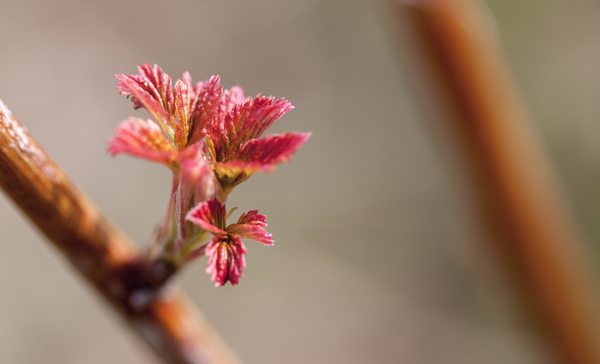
{"x": 142, "y": 139}
{"x": 207, "y": 98}
{"x": 252, "y": 226}
{"x": 182, "y": 94}
{"x": 265, "y": 113}
{"x": 263, "y": 154}
{"x": 245, "y": 121}
{"x": 209, "y": 215}
{"x": 157, "y": 83}
{"x": 151, "y": 89}
{"x": 231, "y": 97}
{"x": 226, "y": 259}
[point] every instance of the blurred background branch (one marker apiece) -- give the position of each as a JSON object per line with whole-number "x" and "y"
{"x": 537, "y": 236}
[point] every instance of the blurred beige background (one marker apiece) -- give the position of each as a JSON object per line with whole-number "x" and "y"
{"x": 379, "y": 256}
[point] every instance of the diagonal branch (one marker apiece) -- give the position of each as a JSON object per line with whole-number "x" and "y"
{"x": 102, "y": 254}
{"x": 538, "y": 235}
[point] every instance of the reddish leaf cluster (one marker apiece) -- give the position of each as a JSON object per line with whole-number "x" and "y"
{"x": 226, "y": 250}
{"x": 212, "y": 141}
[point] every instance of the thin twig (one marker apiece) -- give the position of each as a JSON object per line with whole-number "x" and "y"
{"x": 516, "y": 182}
{"x": 102, "y": 254}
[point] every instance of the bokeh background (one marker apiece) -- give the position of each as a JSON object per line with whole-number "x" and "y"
{"x": 380, "y": 253}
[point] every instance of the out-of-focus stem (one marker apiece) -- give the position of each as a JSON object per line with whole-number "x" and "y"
{"x": 538, "y": 234}
{"x": 102, "y": 254}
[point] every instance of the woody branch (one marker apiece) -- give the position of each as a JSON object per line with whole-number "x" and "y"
{"x": 102, "y": 254}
